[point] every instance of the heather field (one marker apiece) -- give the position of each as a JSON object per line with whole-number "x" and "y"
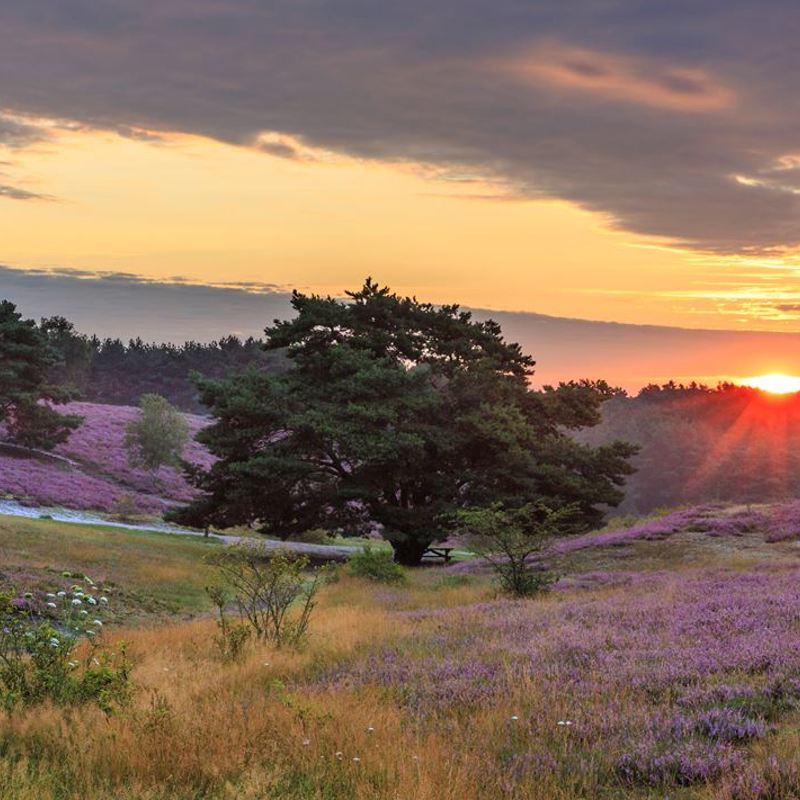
{"x": 93, "y": 471}
{"x": 665, "y": 663}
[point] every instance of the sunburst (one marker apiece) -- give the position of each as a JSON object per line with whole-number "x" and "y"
{"x": 774, "y": 383}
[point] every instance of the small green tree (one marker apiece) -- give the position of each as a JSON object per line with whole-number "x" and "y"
{"x": 158, "y": 436}
{"x": 270, "y": 588}
{"x": 509, "y": 539}
{"x": 26, "y": 394}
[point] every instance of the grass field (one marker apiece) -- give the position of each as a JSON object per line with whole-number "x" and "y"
{"x": 666, "y": 668}
{"x": 153, "y": 572}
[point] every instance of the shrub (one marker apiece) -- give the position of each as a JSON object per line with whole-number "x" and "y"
{"x": 51, "y": 650}
{"x": 510, "y": 539}
{"x": 270, "y": 590}
{"x": 231, "y": 637}
{"x": 159, "y": 435}
{"x": 313, "y": 536}
{"x": 377, "y": 565}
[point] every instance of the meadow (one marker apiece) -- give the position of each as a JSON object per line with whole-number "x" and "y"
{"x": 663, "y": 664}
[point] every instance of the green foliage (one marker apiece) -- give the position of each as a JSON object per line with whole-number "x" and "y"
{"x": 26, "y": 394}
{"x": 377, "y": 565}
{"x": 313, "y": 536}
{"x": 39, "y": 646}
{"x": 158, "y": 436}
{"x": 395, "y": 413}
{"x": 509, "y": 539}
{"x": 270, "y": 589}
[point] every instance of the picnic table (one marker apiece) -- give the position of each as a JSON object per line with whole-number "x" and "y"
{"x": 439, "y": 552}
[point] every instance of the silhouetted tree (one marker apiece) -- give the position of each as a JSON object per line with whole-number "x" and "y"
{"x": 395, "y": 413}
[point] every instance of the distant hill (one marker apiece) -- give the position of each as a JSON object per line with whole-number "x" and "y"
{"x": 91, "y": 470}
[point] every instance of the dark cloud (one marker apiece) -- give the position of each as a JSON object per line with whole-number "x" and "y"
{"x": 15, "y": 193}
{"x": 118, "y": 304}
{"x": 14, "y": 133}
{"x": 650, "y": 113}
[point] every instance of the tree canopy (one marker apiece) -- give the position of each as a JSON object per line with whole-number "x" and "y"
{"x": 159, "y": 434}
{"x": 394, "y": 414}
{"x": 26, "y": 394}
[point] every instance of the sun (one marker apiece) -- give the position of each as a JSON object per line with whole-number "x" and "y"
{"x": 774, "y": 383}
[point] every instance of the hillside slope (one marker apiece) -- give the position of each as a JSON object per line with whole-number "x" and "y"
{"x": 91, "y": 469}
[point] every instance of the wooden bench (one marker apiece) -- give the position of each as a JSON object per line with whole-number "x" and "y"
{"x": 439, "y": 552}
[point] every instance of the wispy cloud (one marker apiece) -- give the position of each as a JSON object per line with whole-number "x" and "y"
{"x": 607, "y": 76}
{"x": 16, "y": 193}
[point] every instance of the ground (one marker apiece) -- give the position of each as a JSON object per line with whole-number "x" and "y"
{"x": 666, "y": 663}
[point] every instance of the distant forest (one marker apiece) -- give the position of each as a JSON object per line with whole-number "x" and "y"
{"x": 119, "y": 373}
{"x": 697, "y": 443}
{"x": 700, "y": 444}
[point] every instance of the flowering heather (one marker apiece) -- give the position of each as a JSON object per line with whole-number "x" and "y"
{"x": 101, "y": 475}
{"x": 48, "y": 483}
{"x": 663, "y": 681}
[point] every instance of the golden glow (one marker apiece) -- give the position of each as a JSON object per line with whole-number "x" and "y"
{"x": 774, "y": 383}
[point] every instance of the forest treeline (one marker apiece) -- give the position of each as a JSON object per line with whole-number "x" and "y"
{"x": 120, "y": 373}
{"x": 699, "y": 444}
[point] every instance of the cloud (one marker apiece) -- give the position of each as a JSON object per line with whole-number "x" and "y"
{"x": 644, "y": 112}
{"x": 15, "y": 193}
{"x": 119, "y": 304}
{"x": 608, "y": 76}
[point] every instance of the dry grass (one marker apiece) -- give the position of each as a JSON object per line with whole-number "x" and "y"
{"x": 202, "y": 728}
{"x": 262, "y": 728}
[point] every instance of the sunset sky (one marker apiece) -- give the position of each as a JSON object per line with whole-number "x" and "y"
{"x": 611, "y": 161}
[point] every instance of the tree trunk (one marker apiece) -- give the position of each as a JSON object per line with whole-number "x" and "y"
{"x": 408, "y": 551}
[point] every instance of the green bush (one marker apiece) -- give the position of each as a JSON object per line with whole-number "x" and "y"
{"x": 313, "y": 536}
{"x": 39, "y": 650}
{"x": 377, "y": 565}
{"x": 273, "y": 591}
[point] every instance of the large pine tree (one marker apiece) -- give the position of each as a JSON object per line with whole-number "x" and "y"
{"x": 395, "y": 413}
{"x": 26, "y": 395}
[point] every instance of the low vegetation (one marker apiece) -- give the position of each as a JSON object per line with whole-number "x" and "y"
{"x": 376, "y": 565}
{"x": 673, "y": 673}
{"x": 94, "y": 471}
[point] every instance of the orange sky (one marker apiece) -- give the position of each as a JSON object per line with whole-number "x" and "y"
{"x": 212, "y": 213}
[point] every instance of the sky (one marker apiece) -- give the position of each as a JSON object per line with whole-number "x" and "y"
{"x": 604, "y": 160}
